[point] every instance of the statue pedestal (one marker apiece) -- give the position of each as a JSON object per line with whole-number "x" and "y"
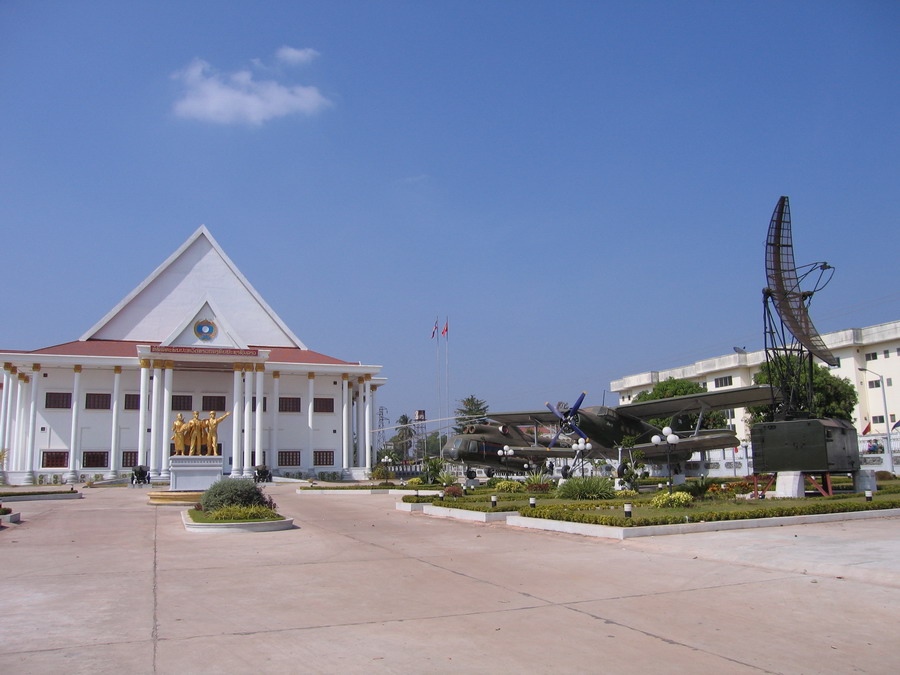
{"x": 790, "y": 484}
{"x": 195, "y": 473}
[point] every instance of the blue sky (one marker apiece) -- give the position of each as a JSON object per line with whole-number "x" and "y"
{"x": 583, "y": 188}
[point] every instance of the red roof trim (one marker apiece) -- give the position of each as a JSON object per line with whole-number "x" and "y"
{"x": 123, "y": 348}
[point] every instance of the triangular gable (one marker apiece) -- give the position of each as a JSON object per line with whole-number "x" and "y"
{"x": 198, "y": 272}
{"x": 206, "y": 327}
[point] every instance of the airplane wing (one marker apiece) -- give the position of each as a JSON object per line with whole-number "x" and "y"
{"x": 740, "y": 397}
{"x": 709, "y": 441}
{"x": 535, "y": 451}
{"x": 528, "y": 417}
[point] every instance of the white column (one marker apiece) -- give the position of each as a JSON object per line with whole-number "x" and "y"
{"x": 248, "y": 421}
{"x": 260, "y": 409}
{"x": 72, "y": 473}
{"x": 154, "y": 420}
{"x": 168, "y": 374}
{"x": 12, "y": 387}
{"x": 367, "y": 427}
{"x": 310, "y": 402}
{"x": 276, "y": 396}
{"x": 373, "y": 420}
{"x": 4, "y": 413}
{"x": 32, "y": 425}
{"x": 237, "y": 402}
{"x": 345, "y": 421}
{"x": 360, "y": 423}
{"x": 114, "y": 453}
{"x": 142, "y": 413}
{"x": 16, "y": 441}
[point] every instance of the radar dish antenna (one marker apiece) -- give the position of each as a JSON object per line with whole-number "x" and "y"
{"x": 791, "y": 339}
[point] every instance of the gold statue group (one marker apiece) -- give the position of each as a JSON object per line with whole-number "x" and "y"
{"x": 195, "y": 433}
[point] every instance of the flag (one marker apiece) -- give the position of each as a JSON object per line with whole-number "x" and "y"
{"x": 867, "y": 429}
{"x": 896, "y": 424}
{"x": 446, "y": 328}
{"x": 434, "y": 330}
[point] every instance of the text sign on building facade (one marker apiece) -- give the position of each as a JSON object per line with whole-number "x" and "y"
{"x": 205, "y": 351}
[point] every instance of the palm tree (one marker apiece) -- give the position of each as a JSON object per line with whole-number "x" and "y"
{"x": 405, "y": 436}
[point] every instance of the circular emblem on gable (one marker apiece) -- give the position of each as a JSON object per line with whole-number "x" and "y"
{"x": 205, "y": 330}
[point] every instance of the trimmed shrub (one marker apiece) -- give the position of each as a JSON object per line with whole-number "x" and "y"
{"x": 509, "y": 486}
{"x": 664, "y": 500}
{"x": 454, "y": 491}
{"x": 884, "y": 475}
{"x": 243, "y": 513}
{"x": 234, "y": 492}
{"x": 414, "y": 481}
{"x": 587, "y": 487}
{"x": 628, "y": 494}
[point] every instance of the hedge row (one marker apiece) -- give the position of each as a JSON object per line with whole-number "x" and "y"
{"x": 579, "y": 516}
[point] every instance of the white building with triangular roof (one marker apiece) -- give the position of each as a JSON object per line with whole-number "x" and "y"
{"x": 194, "y": 336}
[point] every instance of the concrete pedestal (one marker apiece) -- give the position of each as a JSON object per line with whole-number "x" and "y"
{"x": 790, "y": 484}
{"x": 864, "y": 480}
{"x": 195, "y": 473}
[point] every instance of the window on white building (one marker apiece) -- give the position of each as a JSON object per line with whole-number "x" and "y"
{"x": 877, "y": 419}
{"x": 872, "y": 356}
{"x": 53, "y": 399}
{"x": 723, "y": 381}
{"x": 288, "y": 458}
{"x": 94, "y": 459}
{"x": 289, "y": 404}
{"x": 323, "y": 457}
{"x": 97, "y": 401}
{"x": 55, "y": 459}
{"x": 182, "y": 402}
{"x": 874, "y": 384}
{"x": 323, "y": 405}
{"x": 213, "y": 403}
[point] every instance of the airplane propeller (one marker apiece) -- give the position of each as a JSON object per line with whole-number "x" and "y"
{"x": 567, "y": 423}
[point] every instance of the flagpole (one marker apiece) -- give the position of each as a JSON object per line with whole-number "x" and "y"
{"x": 437, "y": 371}
{"x": 447, "y": 367}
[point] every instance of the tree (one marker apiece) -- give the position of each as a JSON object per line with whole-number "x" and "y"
{"x": 434, "y": 442}
{"x": 471, "y": 410}
{"x": 406, "y": 434}
{"x": 672, "y": 387}
{"x": 833, "y": 397}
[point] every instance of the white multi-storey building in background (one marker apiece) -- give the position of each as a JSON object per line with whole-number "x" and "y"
{"x": 868, "y": 357}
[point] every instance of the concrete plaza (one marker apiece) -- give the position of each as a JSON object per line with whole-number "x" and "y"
{"x": 110, "y": 584}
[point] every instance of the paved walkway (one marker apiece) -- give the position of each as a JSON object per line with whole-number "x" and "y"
{"x": 108, "y": 584}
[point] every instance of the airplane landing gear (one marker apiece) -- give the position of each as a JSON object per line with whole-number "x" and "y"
{"x": 470, "y": 474}
{"x": 489, "y": 473}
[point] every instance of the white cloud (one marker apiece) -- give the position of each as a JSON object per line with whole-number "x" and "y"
{"x": 294, "y": 56}
{"x": 239, "y": 99}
